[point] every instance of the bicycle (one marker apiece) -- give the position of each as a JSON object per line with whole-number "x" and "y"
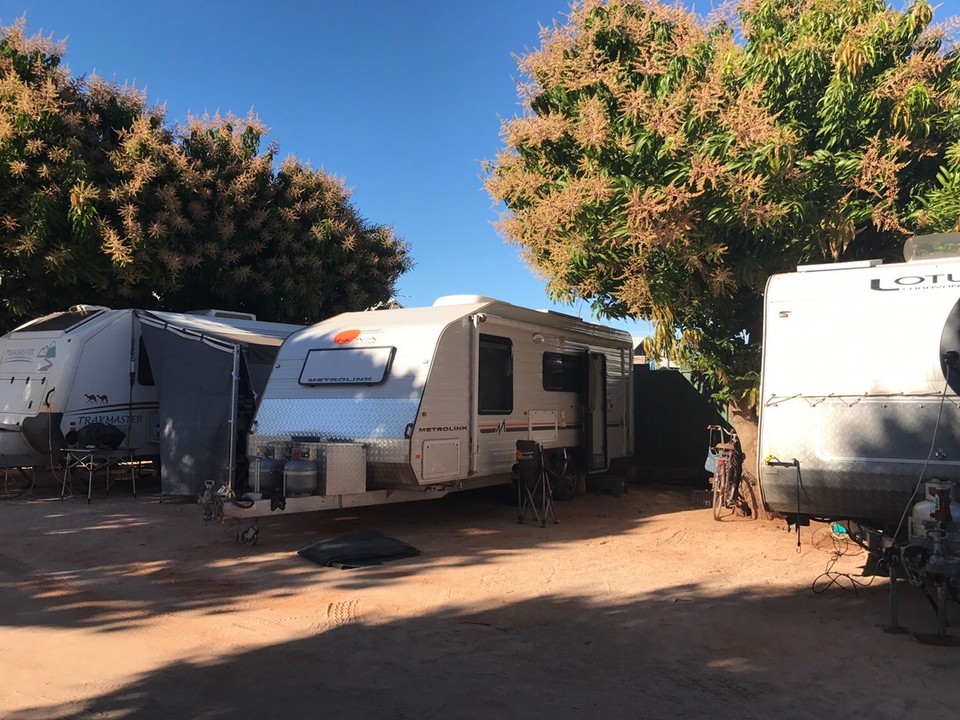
{"x": 723, "y": 454}
{"x": 15, "y": 483}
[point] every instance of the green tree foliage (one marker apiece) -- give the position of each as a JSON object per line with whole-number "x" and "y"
{"x": 101, "y": 202}
{"x": 666, "y": 165}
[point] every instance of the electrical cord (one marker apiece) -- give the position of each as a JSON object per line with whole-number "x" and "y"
{"x": 796, "y": 464}
{"x": 842, "y": 544}
{"x": 6, "y": 493}
{"x": 53, "y": 466}
{"x": 776, "y": 462}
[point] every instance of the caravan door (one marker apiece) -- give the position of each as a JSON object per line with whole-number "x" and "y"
{"x": 595, "y": 415}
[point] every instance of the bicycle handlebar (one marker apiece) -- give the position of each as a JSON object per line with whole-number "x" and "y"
{"x": 724, "y": 434}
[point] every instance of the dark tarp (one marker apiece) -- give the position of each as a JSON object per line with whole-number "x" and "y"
{"x": 360, "y": 549}
{"x": 192, "y": 366}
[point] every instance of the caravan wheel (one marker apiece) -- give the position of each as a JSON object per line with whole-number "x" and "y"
{"x": 564, "y": 487}
{"x": 564, "y": 478}
{"x": 249, "y": 537}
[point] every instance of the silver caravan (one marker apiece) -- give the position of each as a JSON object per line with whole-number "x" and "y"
{"x": 859, "y": 386}
{"x": 129, "y": 371}
{"x": 389, "y": 404}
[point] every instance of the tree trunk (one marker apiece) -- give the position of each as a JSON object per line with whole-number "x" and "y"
{"x": 745, "y": 422}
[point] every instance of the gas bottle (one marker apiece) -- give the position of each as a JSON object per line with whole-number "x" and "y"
{"x": 299, "y": 477}
{"x": 267, "y": 476}
{"x": 924, "y": 510}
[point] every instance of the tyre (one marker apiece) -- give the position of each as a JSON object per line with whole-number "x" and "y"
{"x": 249, "y": 537}
{"x": 748, "y": 496}
{"x": 564, "y": 487}
{"x": 720, "y": 480}
{"x": 564, "y": 477}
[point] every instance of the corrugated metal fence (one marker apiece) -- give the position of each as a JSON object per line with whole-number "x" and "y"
{"x": 671, "y": 418}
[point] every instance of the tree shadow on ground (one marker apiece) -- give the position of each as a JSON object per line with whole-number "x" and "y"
{"x": 118, "y": 560}
{"x": 752, "y": 654}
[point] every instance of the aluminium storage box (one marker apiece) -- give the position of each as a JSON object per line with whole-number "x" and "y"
{"x": 342, "y": 468}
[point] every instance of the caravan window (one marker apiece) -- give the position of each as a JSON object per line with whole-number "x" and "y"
{"x": 496, "y": 376}
{"x": 347, "y": 366}
{"x": 562, "y": 373}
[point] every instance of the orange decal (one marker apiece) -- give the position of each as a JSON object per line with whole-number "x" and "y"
{"x": 347, "y": 336}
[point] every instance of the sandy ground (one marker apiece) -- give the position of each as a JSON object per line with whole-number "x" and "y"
{"x": 632, "y": 607}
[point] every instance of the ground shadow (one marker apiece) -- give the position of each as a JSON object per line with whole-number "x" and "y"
{"x": 679, "y": 652}
{"x": 54, "y": 569}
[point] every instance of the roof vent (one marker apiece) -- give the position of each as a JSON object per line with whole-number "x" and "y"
{"x": 225, "y": 314}
{"x": 932, "y": 247}
{"x": 462, "y": 300}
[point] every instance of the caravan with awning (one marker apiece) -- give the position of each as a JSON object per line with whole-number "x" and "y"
{"x": 93, "y": 374}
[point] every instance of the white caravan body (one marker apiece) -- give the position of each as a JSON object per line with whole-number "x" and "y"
{"x": 854, "y": 386}
{"x": 68, "y": 370}
{"x": 438, "y": 396}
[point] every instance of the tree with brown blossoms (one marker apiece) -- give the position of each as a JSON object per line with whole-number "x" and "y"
{"x": 102, "y": 202}
{"x": 666, "y": 165}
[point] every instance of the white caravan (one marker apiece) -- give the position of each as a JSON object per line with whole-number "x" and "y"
{"x": 391, "y": 404}
{"x": 89, "y": 366}
{"x": 855, "y": 386}
{"x": 69, "y": 370}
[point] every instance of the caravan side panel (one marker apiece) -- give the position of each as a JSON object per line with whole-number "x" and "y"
{"x": 32, "y": 368}
{"x": 103, "y": 391}
{"x": 485, "y": 435}
{"x": 440, "y": 442}
{"x": 852, "y": 388}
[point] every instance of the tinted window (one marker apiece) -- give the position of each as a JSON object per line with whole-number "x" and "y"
{"x": 563, "y": 373}
{"x": 351, "y": 366}
{"x": 144, "y": 371}
{"x": 496, "y": 376}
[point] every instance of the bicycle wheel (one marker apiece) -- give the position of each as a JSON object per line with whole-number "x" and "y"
{"x": 14, "y": 483}
{"x": 720, "y": 487}
{"x": 734, "y": 474}
{"x": 747, "y": 496}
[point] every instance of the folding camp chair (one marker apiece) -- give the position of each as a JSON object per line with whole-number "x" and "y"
{"x": 533, "y": 483}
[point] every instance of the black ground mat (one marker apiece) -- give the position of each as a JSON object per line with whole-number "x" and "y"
{"x": 359, "y": 549}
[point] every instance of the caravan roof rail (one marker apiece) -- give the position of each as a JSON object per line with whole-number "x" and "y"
{"x": 561, "y": 314}
{"x": 851, "y": 265}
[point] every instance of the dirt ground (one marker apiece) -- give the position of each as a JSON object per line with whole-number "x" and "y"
{"x": 634, "y": 606}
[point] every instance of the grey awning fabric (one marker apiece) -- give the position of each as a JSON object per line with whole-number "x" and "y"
{"x": 193, "y": 367}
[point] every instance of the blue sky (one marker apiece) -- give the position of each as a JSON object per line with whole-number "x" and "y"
{"x": 402, "y": 99}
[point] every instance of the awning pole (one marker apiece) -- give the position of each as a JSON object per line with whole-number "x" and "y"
{"x": 133, "y": 375}
{"x": 474, "y": 392}
{"x": 232, "y": 444}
